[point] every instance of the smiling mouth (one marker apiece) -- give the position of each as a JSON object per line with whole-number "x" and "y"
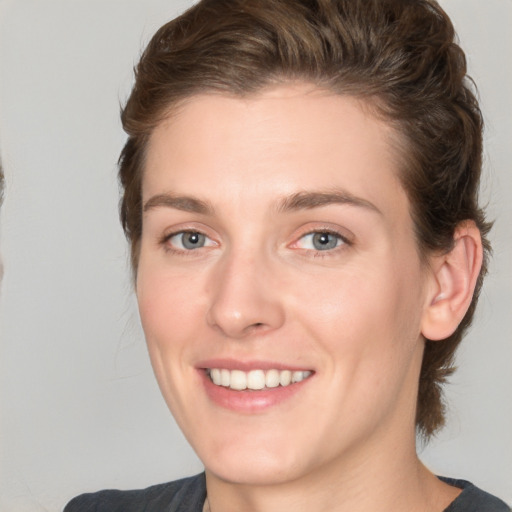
{"x": 239, "y": 380}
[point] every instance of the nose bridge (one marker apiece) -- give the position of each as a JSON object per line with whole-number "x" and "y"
{"x": 243, "y": 296}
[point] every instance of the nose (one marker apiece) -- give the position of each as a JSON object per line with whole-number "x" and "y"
{"x": 244, "y": 297}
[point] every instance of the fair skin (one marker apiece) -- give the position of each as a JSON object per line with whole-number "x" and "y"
{"x": 277, "y": 237}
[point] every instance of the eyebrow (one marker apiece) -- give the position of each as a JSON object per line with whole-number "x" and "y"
{"x": 184, "y": 203}
{"x": 308, "y": 200}
{"x": 305, "y": 200}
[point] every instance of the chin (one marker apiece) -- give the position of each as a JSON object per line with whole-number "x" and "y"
{"x": 254, "y": 471}
{"x": 257, "y": 463}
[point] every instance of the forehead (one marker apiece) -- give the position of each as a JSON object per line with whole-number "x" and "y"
{"x": 279, "y": 142}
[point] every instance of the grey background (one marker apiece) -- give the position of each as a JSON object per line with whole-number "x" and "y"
{"x": 79, "y": 406}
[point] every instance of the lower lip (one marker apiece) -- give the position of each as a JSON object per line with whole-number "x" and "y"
{"x": 249, "y": 401}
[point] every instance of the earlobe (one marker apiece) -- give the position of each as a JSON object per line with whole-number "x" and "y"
{"x": 454, "y": 276}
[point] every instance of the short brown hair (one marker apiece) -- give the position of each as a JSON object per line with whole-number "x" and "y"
{"x": 399, "y": 55}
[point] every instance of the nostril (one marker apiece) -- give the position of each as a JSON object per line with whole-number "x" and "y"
{"x": 255, "y": 327}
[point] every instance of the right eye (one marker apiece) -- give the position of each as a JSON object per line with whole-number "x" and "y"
{"x": 321, "y": 241}
{"x": 188, "y": 241}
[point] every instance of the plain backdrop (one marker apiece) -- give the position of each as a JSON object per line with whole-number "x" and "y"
{"x": 80, "y": 409}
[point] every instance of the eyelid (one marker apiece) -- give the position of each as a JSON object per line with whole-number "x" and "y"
{"x": 346, "y": 237}
{"x": 179, "y": 230}
{"x": 337, "y": 237}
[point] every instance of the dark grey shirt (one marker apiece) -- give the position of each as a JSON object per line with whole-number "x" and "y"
{"x": 188, "y": 495}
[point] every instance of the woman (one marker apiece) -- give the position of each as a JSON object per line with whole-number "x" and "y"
{"x": 300, "y": 192}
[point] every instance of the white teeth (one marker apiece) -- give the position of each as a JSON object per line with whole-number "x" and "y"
{"x": 300, "y": 376}
{"x": 285, "y": 377}
{"x": 238, "y": 380}
{"x": 225, "y": 377}
{"x": 215, "y": 374}
{"x": 297, "y": 376}
{"x": 255, "y": 379}
{"x": 272, "y": 379}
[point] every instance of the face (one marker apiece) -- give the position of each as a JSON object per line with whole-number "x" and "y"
{"x": 279, "y": 283}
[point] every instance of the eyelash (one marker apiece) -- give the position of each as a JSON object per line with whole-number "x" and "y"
{"x": 345, "y": 242}
{"x": 326, "y": 253}
{"x": 169, "y": 249}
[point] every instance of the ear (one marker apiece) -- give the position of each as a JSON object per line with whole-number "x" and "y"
{"x": 454, "y": 276}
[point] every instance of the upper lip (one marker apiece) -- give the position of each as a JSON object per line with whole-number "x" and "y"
{"x": 246, "y": 366}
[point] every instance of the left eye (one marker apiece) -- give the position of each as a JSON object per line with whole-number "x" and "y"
{"x": 320, "y": 241}
{"x": 189, "y": 240}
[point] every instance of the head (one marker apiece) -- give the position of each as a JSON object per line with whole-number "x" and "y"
{"x": 398, "y": 58}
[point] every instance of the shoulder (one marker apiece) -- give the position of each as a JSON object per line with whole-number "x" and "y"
{"x": 185, "y": 495}
{"x": 473, "y": 499}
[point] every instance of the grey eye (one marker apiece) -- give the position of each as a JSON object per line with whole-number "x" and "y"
{"x": 189, "y": 240}
{"x": 324, "y": 241}
{"x": 320, "y": 241}
{"x": 192, "y": 240}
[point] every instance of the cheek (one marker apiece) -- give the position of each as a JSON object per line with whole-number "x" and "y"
{"x": 367, "y": 314}
{"x": 168, "y": 309}
{"x": 166, "y": 299}
{"x": 352, "y": 299}
{"x": 168, "y": 314}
